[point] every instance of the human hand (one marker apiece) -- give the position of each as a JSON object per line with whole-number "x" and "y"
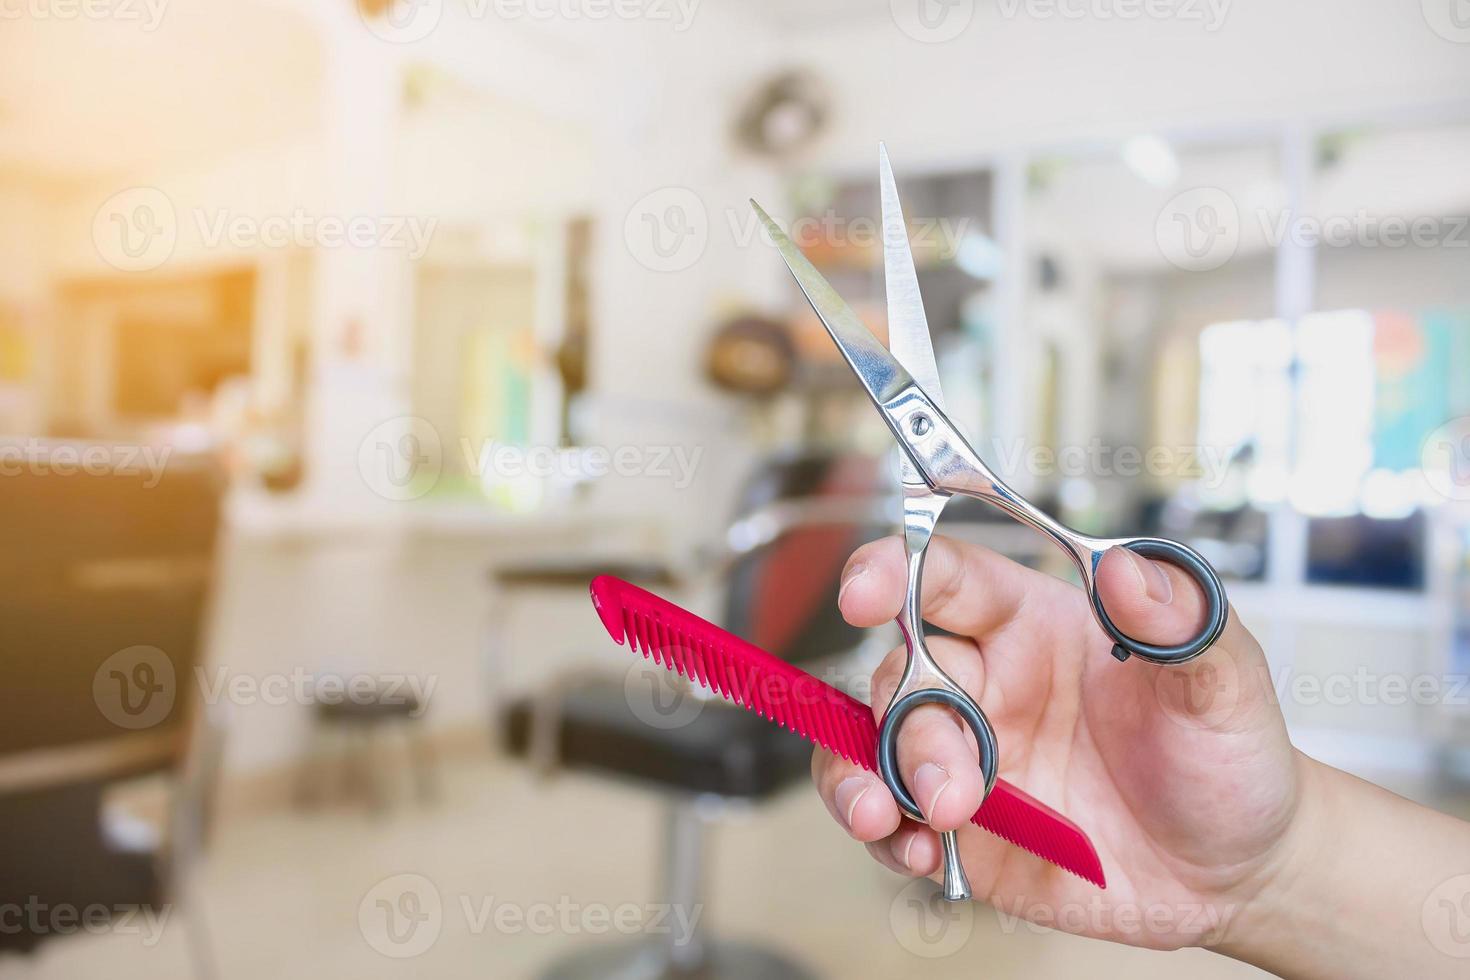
{"x": 1183, "y": 777}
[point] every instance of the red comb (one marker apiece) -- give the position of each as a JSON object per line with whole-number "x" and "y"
{"x": 778, "y": 691}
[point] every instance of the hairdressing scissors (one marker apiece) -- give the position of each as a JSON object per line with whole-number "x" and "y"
{"x": 937, "y": 462}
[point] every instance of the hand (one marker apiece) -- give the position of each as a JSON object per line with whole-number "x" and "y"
{"x": 1183, "y": 777}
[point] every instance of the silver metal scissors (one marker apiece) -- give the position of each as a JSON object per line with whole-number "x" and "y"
{"x": 937, "y": 463}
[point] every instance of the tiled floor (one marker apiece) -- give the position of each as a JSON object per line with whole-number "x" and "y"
{"x": 524, "y": 872}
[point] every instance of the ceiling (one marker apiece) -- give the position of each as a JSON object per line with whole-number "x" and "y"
{"x": 1093, "y": 205}
{"x": 79, "y": 99}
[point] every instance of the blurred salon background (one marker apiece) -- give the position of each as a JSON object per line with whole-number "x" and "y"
{"x": 343, "y": 341}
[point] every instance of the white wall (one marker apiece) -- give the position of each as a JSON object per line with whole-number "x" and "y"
{"x": 1009, "y": 81}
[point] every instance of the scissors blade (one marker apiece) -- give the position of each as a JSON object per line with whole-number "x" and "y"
{"x": 879, "y": 371}
{"x": 908, "y": 328}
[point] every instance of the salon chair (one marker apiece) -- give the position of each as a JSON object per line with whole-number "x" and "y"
{"x": 800, "y": 518}
{"x": 104, "y": 594}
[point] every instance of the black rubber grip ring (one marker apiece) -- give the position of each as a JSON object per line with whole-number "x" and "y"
{"x": 1198, "y": 569}
{"x": 893, "y": 720}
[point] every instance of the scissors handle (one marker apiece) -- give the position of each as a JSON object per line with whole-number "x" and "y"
{"x": 925, "y": 682}
{"x": 956, "y": 884}
{"x": 1193, "y": 564}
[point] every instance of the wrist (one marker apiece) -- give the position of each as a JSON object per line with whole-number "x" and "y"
{"x": 1342, "y": 895}
{"x": 1281, "y": 902}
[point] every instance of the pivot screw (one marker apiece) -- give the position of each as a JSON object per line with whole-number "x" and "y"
{"x": 921, "y": 425}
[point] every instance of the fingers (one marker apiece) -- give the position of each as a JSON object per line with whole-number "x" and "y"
{"x": 914, "y": 850}
{"x": 937, "y": 753}
{"x": 938, "y": 759}
{"x": 967, "y": 589}
{"x": 1152, "y": 601}
{"x": 856, "y": 798}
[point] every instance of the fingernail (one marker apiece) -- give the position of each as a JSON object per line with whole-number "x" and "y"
{"x": 849, "y": 576}
{"x": 902, "y": 846}
{"x": 930, "y": 782}
{"x": 1151, "y": 578}
{"x": 849, "y": 791}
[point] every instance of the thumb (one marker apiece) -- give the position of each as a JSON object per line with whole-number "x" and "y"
{"x": 1156, "y": 602}
{"x": 1151, "y": 601}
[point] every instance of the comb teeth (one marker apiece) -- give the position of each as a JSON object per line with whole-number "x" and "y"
{"x": 780, "y": 692}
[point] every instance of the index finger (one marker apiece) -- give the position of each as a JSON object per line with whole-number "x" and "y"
{"x": 968, "y": 589}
